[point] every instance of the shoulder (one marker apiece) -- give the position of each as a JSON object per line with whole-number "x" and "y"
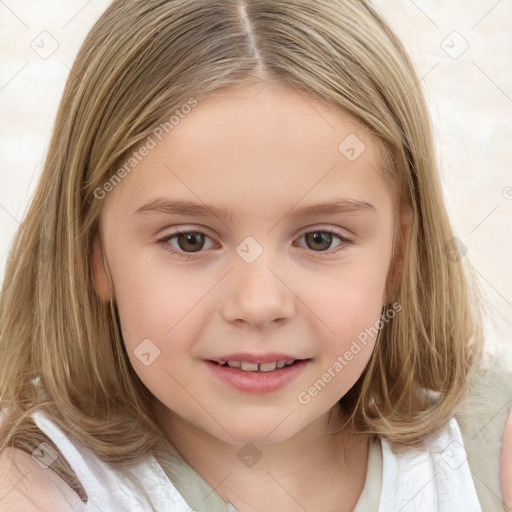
{"x": 27, "y": 486}
{"x": 487, "y": 436}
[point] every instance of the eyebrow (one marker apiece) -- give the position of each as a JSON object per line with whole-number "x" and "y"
{"x": 182, "y": 207}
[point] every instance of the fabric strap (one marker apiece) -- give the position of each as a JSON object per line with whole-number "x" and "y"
{"x": 435, "y": 479}
{"x": 140, "y": 488}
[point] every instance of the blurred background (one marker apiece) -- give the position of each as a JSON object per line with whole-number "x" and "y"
{"x": 462, "y": 50}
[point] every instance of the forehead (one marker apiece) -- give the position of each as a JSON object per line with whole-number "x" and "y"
{"x": 255, "y": 146}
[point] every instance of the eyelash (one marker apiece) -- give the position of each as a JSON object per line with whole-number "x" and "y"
{"x": 163, "y": 242}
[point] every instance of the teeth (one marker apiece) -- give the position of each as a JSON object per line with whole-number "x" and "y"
{"x": 254, "y": 367}
{"x": 267, "y": 367}
{"x": 249, "y": 367}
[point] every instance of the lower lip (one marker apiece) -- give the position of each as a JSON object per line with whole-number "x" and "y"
{"x": 257, "y": 382}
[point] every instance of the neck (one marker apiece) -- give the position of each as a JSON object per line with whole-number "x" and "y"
{"x": 312, "y": 470}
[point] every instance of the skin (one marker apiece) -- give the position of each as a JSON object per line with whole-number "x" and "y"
{"x": 261, "y": 150}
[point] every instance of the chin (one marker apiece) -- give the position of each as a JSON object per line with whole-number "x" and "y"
{"x": 258, "y": 431}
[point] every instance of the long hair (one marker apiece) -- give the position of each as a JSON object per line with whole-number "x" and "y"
{"x": 143, "y": 60}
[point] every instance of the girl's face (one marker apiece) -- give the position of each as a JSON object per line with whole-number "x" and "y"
{"x": 262, "y": 279}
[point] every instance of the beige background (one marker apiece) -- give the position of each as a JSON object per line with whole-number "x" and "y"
{"x": 461, "y": 48}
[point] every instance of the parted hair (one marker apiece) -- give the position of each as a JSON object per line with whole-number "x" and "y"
{"x": 142, "y": 60}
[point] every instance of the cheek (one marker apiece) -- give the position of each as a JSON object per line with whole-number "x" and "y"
{"x": 349, "y": 307}
{"x": 349, "y": 298}
{"x": 158, "y": 314}
{"x": 151, "y": 297}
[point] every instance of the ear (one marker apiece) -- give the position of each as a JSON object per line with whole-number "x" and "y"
{"x": 100, "y": 276}
{"x": 396, "y": 267}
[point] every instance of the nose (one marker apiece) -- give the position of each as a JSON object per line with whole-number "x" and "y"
{"x": 257, "y": 294}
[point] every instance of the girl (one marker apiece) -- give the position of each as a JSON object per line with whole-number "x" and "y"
{"x": 237, "y": 273}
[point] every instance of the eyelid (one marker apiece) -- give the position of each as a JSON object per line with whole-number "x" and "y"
{"x": 342, "y": 232}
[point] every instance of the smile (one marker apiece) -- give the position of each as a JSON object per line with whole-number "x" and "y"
{"x": 248, "y": 366}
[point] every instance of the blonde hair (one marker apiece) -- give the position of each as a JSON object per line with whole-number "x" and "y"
{"x": 141, "y": 61}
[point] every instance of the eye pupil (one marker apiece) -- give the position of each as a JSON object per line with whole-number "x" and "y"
{"x": 190, "y": 239}
{"x": 325, "y": 239}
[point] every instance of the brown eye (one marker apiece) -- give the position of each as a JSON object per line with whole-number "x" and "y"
{"x": 187, "y": 243}
{"x": 318, "y": 240}
{"x": 190, "y": 242}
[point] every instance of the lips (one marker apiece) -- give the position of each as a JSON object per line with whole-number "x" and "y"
{"x": 257, "y": 382}
{"x": 256, "y": 362}
{"x": 257, "y": 367}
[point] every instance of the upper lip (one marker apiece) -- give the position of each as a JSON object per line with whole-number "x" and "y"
{"x": 268, "y": 357}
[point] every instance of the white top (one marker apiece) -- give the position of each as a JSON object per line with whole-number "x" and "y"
{"x": 437, "y": 478}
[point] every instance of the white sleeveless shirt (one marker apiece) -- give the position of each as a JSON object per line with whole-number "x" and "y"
{"x": 437, "y": 478}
